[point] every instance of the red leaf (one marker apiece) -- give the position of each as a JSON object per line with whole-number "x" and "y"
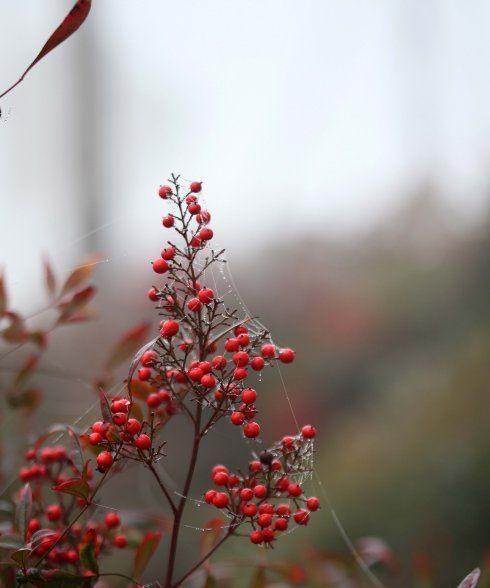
{"x": 16, "y": 332}
{"x": 49, "y": 279}
{"x": 75, "y": 486}
{"x": 70, "y": 24}
{"x": 80, "y": 274}
{"x": 26, "y": 369}
{"x": 144, "y": 553}
{"x": 70, "y": 309}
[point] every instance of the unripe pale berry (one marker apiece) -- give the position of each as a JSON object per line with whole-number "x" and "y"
{"x": 142, "y": 442}
{"x": 160, "y": 266}
{"x": 286, "y": 355}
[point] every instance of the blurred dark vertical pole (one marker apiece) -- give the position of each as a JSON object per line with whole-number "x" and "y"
{"x": 88, "y": 140}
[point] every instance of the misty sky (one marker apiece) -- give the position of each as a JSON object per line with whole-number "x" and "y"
{"x": 317, "y": 113}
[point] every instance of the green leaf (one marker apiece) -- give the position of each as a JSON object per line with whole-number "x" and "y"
{"x": 23, "y": 510}
{"x": 144, "y": 553}
{"x": 75, "y": 486}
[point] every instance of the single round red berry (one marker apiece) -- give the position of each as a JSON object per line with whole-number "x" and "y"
{"x": 220, "y": 478}
{"x": 264, "y": 520}
{"x": 104, "y": 460}
{"x": 168, "y": 221}
{"x": 246, "y": 494}
{"x": 142, "y": 442}
{"x": 308, "y": 432}
{"x": 281, "y": 524}
{"x": 249, "y": 395}
{"x": 164, "y": 395}
{"x": 240, "y": 358}
{"x": 169, "y": 328}
{"x": 168, "y": 253}
{"x": 260, "y": 491}
{"x": 205, "y": 234}
{"x": 153, "y": 400}
{"x": 194, "y": 208}
{"x": 144, "y": 374}
{"x": 206, "y": 295}
{"x": 153, "y": 294}
{"x": 268, "y": 535}
{"x": 194, "y": 305}
{"x": 256, "y": 537}
{"x": 283, "y": 510}
{"x": 243, "y": 339}
{"x": 257, "y": 363}
{"x": 160, "y": 266}
{"x": 53, "y": 512}
{"x": 133, "y": 426}
{"x": 120, "y": 541}
{"x": 255, "y": 466}
{"x": 301, "y": 517}
{"x": 295, "y": 490}
{"x": 221, "y": 500}
{"x": 164, "y": 192}
{"x": 33, "y": 526}
{"x": 313, "y": 503}
{"x": 286, "y": 355}
{"x": 119, "y": 418}
{"x": 231, "y": 344}
{"x": 268, "y": 350}
{"x": 208, "y": 380}
{"x": 240, "y": 373}
{"x": 237, "y": 418}
{"x": 196, "y": 187}
{"x": 112, "y": 520}
{"x": 95, "y": 438}
{"x": 209, "y": 495}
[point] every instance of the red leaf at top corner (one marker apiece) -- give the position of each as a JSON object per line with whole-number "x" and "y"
{"x": 72, "y": 21}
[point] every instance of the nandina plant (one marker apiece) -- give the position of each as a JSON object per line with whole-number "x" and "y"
{"x": 195, "y": 368}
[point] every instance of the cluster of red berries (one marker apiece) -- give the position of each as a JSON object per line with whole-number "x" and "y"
{"x": 49, "y": 467}
{"x": 258, "y": 498}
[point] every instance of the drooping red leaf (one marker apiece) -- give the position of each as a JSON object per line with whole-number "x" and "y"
{"x": 70, "y": 309}
{"x": 16, "y": 332}
{"x": 75, "y": 486}
{"x": 144, "y": 553}
{"x": 127, "y": 345}
{"x": 49, "y": 279}
{"x": 3, "y": 295}
{"x": 26, "y": 369}
{"x": 70, "y": 24}
{"x": 80, "y": 274}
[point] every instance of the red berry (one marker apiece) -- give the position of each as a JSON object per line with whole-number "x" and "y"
{"x": 112, "y": 520}
{"x": 99, "y": 427}
{"x": 194, "y": 304}
{"x": 195, "y": 374}
{"x": 164, "y": 395}
{"x": 204, "y": 217}
{"x": 308, "y": 432}
{"x": 286, "y": 355}
{"x": 169, "y": 328}
{"x": 255, "y": 466}
{"x": 219, "y": 362}
{"x": 257, "y": 363}
{"x": 53, "y": 512}
{"x": 268, "y": 350}
{"x": 196, "y": 187}
{"x": 260, "y": 491}
{"x": 240, "y": 373}
{"x": 120, "y": 541}
{"x": 144, "y": 374}
{"x": 301, "y": 517}
{"x": 142, "y": 442}
{"x": 168, "y": 253}
{"x": 249, "y": 395}
{"x": 220, "y": 478}
{"x": 246, "y": 494}
{"x": 250, "y": 509}
{"x": 264, "y": 520}
{"x": 237, "y": 418}
{"x": 133, "y": 426}
{"x": 209, "y": 496}
{"x": 152, "y": 294}
{"x": 206, "y": 296}
{"x": 256, "y": 537}
{"x": 208, "y": 380}
{"x": 168, "y": 221}
{"x": 243, "y": 339}
{"x": 160, "y": 266}
{"x": 283, "y": 510}
{"x": 295, "y": 490}
{"x": 194, "y": 208}
{"x": 205, "y": 366}
{"x": 281, "y": 524}
{"x": 104, "y": 460}
{"x": 119, "y": 418}
{"x": 205, "y": 234}
{"x": 231, "y": 345}
{"x": 313, "y": 503}
{"x": 221, "y": 500}
{"x": 164, "y": 191}
{"x": 153, "y": 400}
{"x": 240, "y": 358}
{"x": 95, "y": 438}
{"x": 268, "y": 535}
{"x": 219, "y": 468}
{"x": 34, "y": 525}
